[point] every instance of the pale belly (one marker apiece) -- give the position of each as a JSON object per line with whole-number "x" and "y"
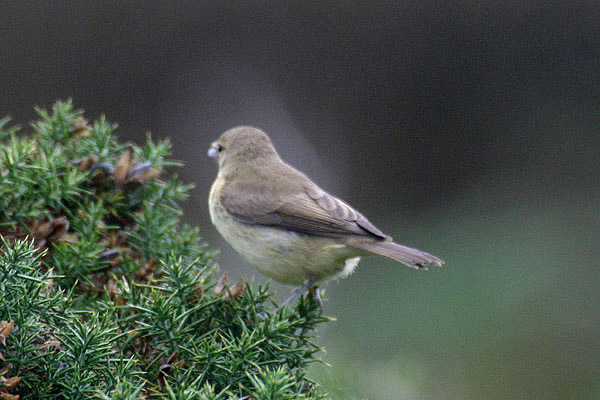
{"x": 286, "y": 256}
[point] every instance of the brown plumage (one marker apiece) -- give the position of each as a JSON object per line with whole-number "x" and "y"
{"x": 261, "y": 204}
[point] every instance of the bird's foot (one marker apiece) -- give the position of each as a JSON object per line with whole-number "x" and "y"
{"x": 298, "y": 292}
{"x": 315, "y": 292}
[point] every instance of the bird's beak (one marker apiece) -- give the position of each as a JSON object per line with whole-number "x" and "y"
{"x": 212, "y": 151}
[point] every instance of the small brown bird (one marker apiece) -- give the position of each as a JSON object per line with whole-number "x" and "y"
{"x": 286, "y": 226}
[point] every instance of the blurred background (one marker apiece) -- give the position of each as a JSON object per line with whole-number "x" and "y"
{"x": 467, "y": 129}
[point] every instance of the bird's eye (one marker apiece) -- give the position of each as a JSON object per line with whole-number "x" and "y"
{"x": 220, "y": 148}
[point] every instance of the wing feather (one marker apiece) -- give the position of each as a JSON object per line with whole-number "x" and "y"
{"x": 311, "y": 211}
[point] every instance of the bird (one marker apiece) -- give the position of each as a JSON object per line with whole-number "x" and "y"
{"x": 283, "y": 224}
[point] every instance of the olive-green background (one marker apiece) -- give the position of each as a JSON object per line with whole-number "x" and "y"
{"x": 467, "y": 129}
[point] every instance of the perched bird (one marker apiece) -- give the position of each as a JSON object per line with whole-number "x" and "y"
{"x": 286, "y": 226}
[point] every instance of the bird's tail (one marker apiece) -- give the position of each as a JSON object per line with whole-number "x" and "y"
{"x": 412, "y": 257}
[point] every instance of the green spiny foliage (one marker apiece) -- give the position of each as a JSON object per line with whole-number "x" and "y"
{"x": 105, "y": 294}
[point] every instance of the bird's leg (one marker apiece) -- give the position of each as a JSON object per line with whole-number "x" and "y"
{"x": 297, "y": 292}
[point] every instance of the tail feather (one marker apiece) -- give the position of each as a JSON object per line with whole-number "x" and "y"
{"x": 406, "y": 255}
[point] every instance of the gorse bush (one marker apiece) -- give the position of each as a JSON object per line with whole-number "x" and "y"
{"x": 105, "y": 294}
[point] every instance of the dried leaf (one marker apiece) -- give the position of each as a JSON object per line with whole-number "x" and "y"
{"x": 81, "y": 127}
{"x": 138, "y": 169}
{"x": 86, "y": 162}
{"x": 8, "y": 396}
{"x": 199, "y": 291}
{"x": 51, "y": 344}
{"x": 221, "y": 284}
{"x": 51, "y": 230}
{"x": 9, "y": 384}
{"x": 123, "y": 166}
{"x": 144, "y": 177}
{"x": 237, "y": 290}
{"x": 5, "y": 330}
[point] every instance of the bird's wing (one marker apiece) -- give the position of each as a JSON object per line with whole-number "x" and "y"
{"x": 311, "y": 211}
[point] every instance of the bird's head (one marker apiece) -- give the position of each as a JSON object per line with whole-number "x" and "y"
{"x": 242, "y": 147}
